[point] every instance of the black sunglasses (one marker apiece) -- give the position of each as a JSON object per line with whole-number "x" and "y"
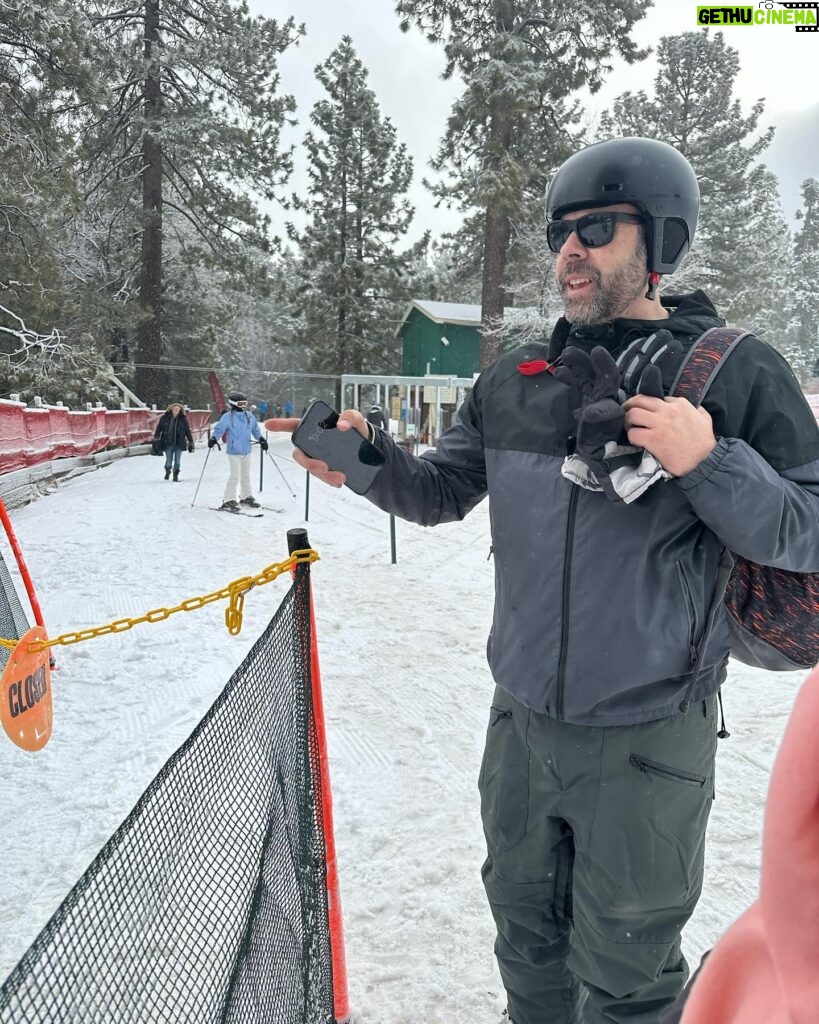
{"x": 593, "y": 230}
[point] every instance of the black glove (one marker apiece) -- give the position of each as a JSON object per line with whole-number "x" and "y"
{"x": 658, "y": 351}
{"x": 651, "y": 382}
{"x": 212, "y": 442}
{"x": 603, "y": 459}
{"x": 600, "y": 418}
{"x": 191, "y": 448}
{"x": 263, "y": 444}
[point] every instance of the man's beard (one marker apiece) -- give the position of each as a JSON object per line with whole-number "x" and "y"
{"x": 610, "y": 294}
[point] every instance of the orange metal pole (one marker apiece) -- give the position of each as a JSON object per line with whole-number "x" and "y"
{"x": 341, "y": 996}
{"x": 21, "y": 565}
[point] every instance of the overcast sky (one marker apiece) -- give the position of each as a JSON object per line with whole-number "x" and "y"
{"x": 777, "y": 63}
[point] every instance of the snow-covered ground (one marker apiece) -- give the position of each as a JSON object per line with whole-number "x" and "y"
{"x": 406, "y": 691}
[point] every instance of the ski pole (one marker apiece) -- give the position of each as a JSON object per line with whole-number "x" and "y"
{"x": 201, "y": 475}
{"x": 261, "y": 472}
{"x": 284, "y": 480}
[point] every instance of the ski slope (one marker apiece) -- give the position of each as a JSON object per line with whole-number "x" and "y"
{"x": 406, "y": 692}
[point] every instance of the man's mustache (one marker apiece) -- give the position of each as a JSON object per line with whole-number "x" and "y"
{"x": 581, "y": 269}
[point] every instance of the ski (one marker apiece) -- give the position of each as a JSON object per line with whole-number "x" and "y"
{"x": 237, "y": 512}
{"x": 269, "y": 508}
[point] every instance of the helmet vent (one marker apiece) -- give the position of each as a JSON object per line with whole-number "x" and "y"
{"x": 614, "y": 186}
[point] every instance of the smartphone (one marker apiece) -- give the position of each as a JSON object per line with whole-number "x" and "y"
{"x": 344, "y": 451}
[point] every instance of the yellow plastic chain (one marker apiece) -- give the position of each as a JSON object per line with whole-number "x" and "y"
{"x": 234, "y": 593}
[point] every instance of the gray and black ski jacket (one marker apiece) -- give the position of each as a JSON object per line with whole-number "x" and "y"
{"x": 600, "y": 609}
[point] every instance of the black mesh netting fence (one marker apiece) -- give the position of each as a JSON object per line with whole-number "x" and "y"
{"x": 13, "y": 621}
{"x": 209, "y": 902}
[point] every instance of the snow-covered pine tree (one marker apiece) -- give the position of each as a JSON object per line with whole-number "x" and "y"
{"x": 192, "y": 125}
{"x": 41, "y": 44}
{"x": 739, "y": 256}
{"x": 47, "y": 71}
{"x": 358, "y": 211}
{"x": 520, "y": 60}
{"x": 34, "y": 364}
{"x": 803, "y": 300}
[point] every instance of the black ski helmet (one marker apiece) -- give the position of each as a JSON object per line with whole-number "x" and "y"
{"x": 651, "y": 175}
{"x": 235, "y": 397}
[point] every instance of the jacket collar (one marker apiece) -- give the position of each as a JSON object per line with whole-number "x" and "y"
{"x": 690, "y": 316}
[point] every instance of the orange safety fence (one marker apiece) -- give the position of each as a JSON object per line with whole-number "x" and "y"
{"x": 29, "y": 436}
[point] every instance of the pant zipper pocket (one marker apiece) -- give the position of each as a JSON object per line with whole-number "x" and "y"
{"x": 664, "y": 771}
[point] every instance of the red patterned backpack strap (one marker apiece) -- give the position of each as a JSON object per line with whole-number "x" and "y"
{"x": 703, "y": 360}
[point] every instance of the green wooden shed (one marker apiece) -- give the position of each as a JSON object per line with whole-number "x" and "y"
{"x": 440, "y": 338}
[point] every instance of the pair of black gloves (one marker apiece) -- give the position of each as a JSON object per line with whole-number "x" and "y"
{"x": 603, "y": 459}
{"x": 213, "y": 443}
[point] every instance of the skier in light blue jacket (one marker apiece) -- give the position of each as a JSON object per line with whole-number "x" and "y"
{"x": 241, "y": 427}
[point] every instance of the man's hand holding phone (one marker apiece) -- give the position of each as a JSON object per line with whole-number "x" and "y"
{"x": 349, "y": 419}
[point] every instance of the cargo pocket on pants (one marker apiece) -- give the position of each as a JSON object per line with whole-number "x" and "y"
{"x": 504, "y": 780}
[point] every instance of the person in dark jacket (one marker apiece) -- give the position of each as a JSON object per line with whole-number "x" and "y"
{"x": 609, "y": 642}
{"x": 172, "y": 436}
{"x": 375, "y": 415}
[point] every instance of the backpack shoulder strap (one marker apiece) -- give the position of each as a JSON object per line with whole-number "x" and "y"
{"x": 703, "y": 360}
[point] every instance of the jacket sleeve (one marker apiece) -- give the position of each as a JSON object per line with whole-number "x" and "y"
{"x": 254, "y": 427}
{"x": 188, "y": 432}
{"x": 160, "y": 427}
{"x": 442, "y": 485}
{"x": 759, "y": 489}
{"x": 219, "y": 428}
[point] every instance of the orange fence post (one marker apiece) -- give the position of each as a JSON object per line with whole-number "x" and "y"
{"x": 21, "y": 565}
{"x": 297, "y": 541}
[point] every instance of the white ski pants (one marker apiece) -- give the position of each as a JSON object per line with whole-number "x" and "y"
{"x": 239, "y": 473}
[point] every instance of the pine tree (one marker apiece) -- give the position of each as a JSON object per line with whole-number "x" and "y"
{"x": 804, "y": 297}
{"x": 740, "y": 220}
{"x": 358, "y": 211}
{"x": 191, "y": 133}
{"x": 41, "y": 45}
{"x": 512, "y": 125}
{"x": 46, "y": 72}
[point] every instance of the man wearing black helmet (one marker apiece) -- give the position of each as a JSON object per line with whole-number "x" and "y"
{"x": 609, "y": 642}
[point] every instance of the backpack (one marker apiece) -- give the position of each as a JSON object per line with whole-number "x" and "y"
{"x": 772, "y": 614}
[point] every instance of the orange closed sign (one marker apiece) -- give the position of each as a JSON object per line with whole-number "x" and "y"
{"x": 26, "y": 700}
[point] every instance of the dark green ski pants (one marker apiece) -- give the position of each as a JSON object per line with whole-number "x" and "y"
{"x": 595, "y": 838}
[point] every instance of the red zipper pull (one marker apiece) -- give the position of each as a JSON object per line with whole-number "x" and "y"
{"x": 535, "y": 366}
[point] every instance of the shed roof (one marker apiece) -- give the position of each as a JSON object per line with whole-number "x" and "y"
{"x": 444, "y": 313}
{"x": 468, "y": 315}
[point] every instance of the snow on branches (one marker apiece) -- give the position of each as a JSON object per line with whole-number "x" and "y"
{"x": 28, "y": 342}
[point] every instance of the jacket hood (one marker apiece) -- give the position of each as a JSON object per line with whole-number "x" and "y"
{"x": 691, "y": 316}
{"x": 763, "y": 970}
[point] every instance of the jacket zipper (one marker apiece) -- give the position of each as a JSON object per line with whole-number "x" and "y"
{"x": 564, "y": 621}
{"x": 663, "y": 771}
{"x": 691, "y": 611}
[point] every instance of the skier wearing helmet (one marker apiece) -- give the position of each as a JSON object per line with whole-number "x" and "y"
{"x": 613, "y": 507}
{"x": 240, "y": 427}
